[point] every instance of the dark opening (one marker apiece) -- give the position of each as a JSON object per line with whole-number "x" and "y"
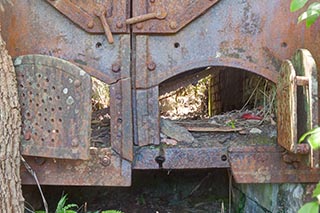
{"x": 218, "y": 106}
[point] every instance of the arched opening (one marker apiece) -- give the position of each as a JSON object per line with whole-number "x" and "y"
{"x": 218, "y": 105}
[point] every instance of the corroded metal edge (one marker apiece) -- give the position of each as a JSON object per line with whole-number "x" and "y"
{"x": 105, "y": 168}
{"x": 270, "y": 164}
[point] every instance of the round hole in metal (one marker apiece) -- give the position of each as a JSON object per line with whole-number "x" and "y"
{"x": 224, "y": 158}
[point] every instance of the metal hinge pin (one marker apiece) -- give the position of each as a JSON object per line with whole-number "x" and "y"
{"x": 302, "y": 80}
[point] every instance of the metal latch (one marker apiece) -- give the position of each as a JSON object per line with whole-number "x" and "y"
{"x": 156, "y": 15}
{"x": 101, "y": 13}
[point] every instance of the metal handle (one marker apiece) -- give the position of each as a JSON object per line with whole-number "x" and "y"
{"x": 102, "y": 16}
{"x": 148, "y": 16}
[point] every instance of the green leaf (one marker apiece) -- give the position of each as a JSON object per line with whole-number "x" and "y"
{"x": 316, "y": 191}
{"x": 297, "y": 4}
{"x": 313, "y": 138}
{"x": 314, "y": 6}
{"x": 310, "y": 132}
{"x": 69, "y": 206}
{"x": 307, "y": 14}
{"x": 311, "y": 15}
{"x": 61, "y": 204}
{"x": 69, "y": 211}
{"x": 312, "y": 207}
{"x": 314, "y": 141}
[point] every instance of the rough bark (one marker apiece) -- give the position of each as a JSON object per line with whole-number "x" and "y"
{"x": 11, "y": 199}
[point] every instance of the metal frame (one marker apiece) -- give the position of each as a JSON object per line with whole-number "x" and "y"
{"x": 238, "y": 34}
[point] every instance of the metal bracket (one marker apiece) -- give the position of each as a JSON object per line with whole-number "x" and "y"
{"x": 294, "y": 102}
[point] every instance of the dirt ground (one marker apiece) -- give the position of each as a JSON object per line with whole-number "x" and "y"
{"x": 151, "y": 191}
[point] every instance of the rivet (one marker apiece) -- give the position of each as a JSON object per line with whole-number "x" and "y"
{"x": 116, "y": 67}
{"x": 151, "y": 66}
{"x": 119, "y": 24}
{"x": 74, "y": 142}
{"x": 90, "y": 25}
{"x": 173, "y": 25}
{"x": 27, "y": 136}
{"x": 105, "y": 161}
{"x": 77, "y": 83}
{"x": 152, "y": 1}
{"x": 118, "y": 97}
{"x": 139, "y": 26}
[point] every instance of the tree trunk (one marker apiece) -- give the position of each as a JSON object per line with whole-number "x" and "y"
{"x": 11, "y": 199}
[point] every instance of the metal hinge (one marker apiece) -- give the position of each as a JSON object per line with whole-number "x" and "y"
{"x": 294, "y": 102}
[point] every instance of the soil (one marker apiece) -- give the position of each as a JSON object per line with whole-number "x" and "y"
{"x": 160, "y": 191}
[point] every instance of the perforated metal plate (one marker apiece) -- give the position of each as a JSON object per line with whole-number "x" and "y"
{"x": 55, "y": 98}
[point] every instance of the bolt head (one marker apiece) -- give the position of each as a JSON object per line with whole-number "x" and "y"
{"x": 74, "y": 142}
{"x": 90, "y": 25}
{"x": 173, "y": 25}
{"x": 27, "y": 136}
{"x": 77, "y": 83}
{"x": 116, "y": 67}
{"x": 151, "y": 66}
{"x": 105, "y": 161}
{"x": 119, "y": 24}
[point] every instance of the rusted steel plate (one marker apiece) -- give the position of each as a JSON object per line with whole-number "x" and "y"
{"x": 105, "y": 168}
{"x": 287, "y": 107}
{"x": 178, "y": 14}
{"x": 121, "y": 118}
{"x": 237, "y": 34}
{"x": 35, "y": 27}
{"x": 148, "y": 128}
{"x": 84, "y": 13}
{"x": 55, "y": 98}
{"x": 181, "y": 158}
{"x": 270, "y": 164}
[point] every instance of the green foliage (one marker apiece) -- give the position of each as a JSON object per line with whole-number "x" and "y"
{"x": 232, "y": 124}
{"x": 316, "y": 191}
{"x": 313, "y": 138}
{"x": 63, "y": 208}
{"x": 310, "y": 15}
{"x": 297, "y": 4}
{"x": 311, "y": 207}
